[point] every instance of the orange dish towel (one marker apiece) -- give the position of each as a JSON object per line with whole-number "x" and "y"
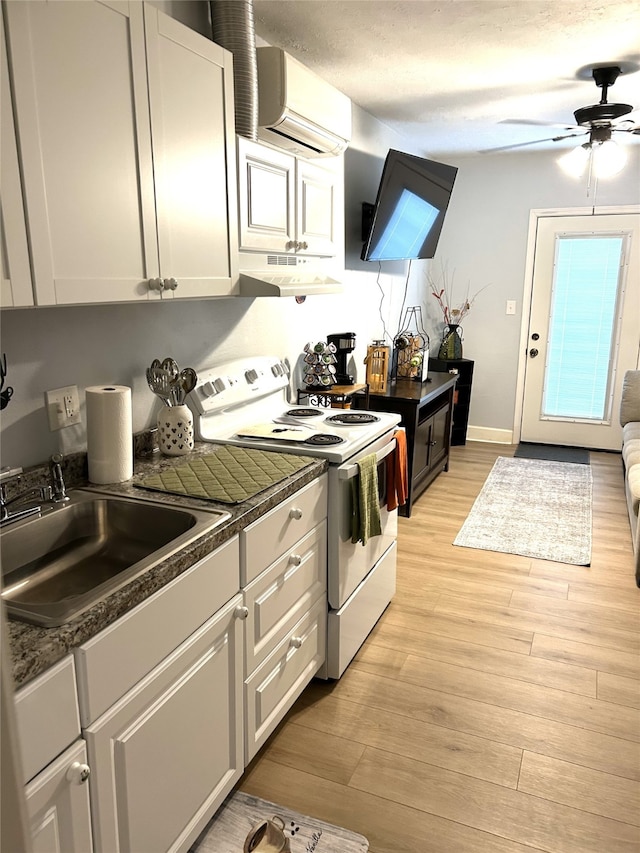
{"x": 397, "y": 477}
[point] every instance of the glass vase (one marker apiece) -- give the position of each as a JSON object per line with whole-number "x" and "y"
{"x": 451, "y": 346}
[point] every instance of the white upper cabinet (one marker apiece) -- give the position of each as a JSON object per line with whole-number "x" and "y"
{"x": 125, "y": 129}
{"x": 15, "y": 286}
{"x": 287, "y": 204}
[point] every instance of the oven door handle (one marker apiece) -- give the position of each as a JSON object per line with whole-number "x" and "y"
{"x": 353, "y": 470}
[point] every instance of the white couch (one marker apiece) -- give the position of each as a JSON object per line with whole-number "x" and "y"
{"x": 630, "y": 421}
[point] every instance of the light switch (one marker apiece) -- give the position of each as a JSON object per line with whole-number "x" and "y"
{"x": 511, "y": 306}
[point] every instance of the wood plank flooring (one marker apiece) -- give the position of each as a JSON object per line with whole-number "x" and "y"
{"x": 495, "y": 706}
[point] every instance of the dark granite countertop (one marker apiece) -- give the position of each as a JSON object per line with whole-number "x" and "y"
{"x": 35, "y": 649}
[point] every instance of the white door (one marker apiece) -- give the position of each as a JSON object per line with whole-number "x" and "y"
{"x": 584, "y": 329}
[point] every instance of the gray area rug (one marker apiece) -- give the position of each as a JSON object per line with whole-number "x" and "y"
{"x": 534, "y": 508}
{"x": 227, "y": 831}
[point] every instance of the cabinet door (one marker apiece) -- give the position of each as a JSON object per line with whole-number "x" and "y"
{"x": 58, "y": 805}
{"x": 15, "y": 287}
{"x": 83, "y": 124}
{"x": 193, "y": 139}
{"x": 438, "y": 446}
{"x": 266, "y": 189}
{"x": 316, "y": 209}
{"x": 164, "y": 757}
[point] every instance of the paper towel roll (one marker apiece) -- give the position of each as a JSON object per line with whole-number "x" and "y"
{"x": 109, "y": 433}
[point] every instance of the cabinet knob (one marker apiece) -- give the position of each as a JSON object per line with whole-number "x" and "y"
{"x": 295, "y": 513}
{"x": 156, "y": 284}
{"x": 241, "y": 612}
{"x": 78, "y": 773}
{"x": 295, "y": 559}
{"x": 295, "y": 642}
{"x": 432, "y": 443}
{"x": 291, "y": 244}
{"x": 170, "y": 283}
{"x": 303, "y": 245}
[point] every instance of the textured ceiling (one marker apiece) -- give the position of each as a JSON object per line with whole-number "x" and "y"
{"x": 446, "y": 74}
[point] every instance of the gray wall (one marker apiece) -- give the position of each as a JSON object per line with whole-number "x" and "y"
{"x": 485, "y": 241}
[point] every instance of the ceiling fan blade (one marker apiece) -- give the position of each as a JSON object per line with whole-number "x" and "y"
{"x": 531, "y": 142}
{"x": 534, "y": 123}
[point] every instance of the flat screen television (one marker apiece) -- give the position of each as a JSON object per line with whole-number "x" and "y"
{"x": 406, "y": 221}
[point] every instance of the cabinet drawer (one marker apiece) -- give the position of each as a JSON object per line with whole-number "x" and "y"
{"x": 113, "y": 661}
{"x": 279, "y": 597}
{"x": 47, "y": 716}
{"x": 275, "y": 685}
{"x": 267, "y": 539}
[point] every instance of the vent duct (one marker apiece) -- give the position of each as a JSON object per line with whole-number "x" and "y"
{"x": 232, "y": 26}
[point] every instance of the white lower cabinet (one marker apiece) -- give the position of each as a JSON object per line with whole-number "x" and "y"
{"x": 166, "y": 754}
{"x": 58, "y": 804}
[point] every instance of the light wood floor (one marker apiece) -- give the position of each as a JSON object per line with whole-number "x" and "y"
{"x": 495, "y": 705}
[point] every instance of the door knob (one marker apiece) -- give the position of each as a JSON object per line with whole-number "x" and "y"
{"x": 533, "y": 352}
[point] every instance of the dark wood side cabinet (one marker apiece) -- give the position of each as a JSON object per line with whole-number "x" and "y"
{"x": 464, "y": 366}
{"x": 426, "y": 416}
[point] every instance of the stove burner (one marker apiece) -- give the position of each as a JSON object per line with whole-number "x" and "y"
{"x": 323, "y": 439}
{"x": 351, "y": 418}
{"x": 303, "y": 413}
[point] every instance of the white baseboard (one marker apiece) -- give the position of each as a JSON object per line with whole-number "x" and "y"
{"x": 496, "y": 436}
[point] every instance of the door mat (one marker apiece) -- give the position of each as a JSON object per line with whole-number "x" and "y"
{"x": 552, "y": 453}
{"x": 534, "y": 508}
{"x": 227, "y": 831}
{"x": 228, "y": 475}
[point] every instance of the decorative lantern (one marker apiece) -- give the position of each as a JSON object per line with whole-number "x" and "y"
{"x": 377, "y": 362}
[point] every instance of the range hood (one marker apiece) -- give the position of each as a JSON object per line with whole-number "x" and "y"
{"x": 286, "y": 275}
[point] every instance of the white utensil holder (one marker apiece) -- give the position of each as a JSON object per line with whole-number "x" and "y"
{"x": 175, "y": 430}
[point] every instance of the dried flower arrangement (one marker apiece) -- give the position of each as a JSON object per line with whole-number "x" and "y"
{"x": 442, "y": 289}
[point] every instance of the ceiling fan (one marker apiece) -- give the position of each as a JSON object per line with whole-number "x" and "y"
{"x": 598, "y": 121}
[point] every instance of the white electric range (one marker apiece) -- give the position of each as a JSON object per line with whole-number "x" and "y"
{"x": 244, "y": 402}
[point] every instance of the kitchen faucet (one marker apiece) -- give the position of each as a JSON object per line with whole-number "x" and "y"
{"x": 53, "y": 494}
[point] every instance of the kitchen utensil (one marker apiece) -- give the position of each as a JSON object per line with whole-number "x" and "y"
{"x": 171, "y": 367}
{"x": 159, "y": 382}
{"x": 182, "y": 384}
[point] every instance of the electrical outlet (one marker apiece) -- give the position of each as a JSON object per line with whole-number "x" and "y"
{"x": 511, "y": 306}
{"x": 63, "y": 407}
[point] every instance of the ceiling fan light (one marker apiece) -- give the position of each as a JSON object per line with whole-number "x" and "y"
{"x": 575, "y": 162}
{"x": 608, "y": 159}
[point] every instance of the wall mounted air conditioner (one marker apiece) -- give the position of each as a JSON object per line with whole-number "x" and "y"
{"x": 298, "y": 111}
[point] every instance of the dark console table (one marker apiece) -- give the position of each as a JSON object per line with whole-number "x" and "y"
{"x": 462, "y": 398}
{"x": 426, "y": 416}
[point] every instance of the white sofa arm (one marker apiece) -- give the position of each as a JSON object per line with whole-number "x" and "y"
{"x": 630, "y": 402}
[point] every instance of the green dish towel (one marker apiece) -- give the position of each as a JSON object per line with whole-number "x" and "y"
{"x": 365, "y": 506}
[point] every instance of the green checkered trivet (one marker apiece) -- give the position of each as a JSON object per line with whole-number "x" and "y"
{"x": 230, "y": 475}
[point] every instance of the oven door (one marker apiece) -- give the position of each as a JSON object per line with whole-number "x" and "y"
{"x": 350, "y": 563}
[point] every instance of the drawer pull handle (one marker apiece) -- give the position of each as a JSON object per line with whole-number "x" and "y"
{"x": 295, "y": 559}
{"x": 241, "y": 612}
{"x": 78, "y": 773}
{"x": 295, "y": 642}
{"x": 295, "y": 513}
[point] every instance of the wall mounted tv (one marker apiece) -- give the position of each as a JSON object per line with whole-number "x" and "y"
{"x": 407, "y": 218}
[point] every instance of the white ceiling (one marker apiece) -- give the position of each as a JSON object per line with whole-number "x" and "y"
{"x": 446, "y": 74}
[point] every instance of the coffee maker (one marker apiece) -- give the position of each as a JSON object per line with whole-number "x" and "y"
{"x": 344, "y": 343}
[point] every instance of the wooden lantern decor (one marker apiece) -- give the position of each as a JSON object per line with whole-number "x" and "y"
{"x": 377, "y": 362}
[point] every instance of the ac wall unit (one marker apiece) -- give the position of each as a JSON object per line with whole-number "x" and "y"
{"x": 298, "y": 110}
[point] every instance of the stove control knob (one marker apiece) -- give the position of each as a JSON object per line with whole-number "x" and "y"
{"x": 219, "y": 384}
{"x": 251, "y": 376}
{"x": 208, "y": 389}
{"x": 295, "y": 514}
{"x": 276, "y": 369}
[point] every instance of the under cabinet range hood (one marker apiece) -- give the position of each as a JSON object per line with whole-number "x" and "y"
{"x": 286, "y": 275}
{"x": 298, "y": 111}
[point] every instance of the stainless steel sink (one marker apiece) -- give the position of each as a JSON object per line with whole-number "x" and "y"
{"x": 58, "y": 565}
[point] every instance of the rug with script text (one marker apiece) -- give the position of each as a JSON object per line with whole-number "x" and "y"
{"x": 534, "y": 508}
